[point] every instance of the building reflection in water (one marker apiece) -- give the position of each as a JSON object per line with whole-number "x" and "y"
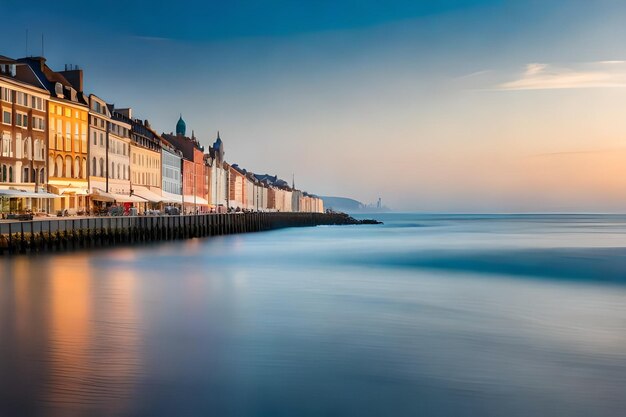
{"x": 81, "y": 324}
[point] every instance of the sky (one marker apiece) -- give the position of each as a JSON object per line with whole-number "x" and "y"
{"x": 452, "y": 105}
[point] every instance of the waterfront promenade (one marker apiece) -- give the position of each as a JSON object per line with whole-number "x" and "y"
{"x": 49, "y": 235}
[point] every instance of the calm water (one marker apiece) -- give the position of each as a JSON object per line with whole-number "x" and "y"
{"x": 428, "y": 315}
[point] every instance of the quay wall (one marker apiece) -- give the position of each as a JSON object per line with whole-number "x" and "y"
{"x": 50, "y": 235}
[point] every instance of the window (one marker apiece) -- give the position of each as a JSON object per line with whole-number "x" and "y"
{"x": 7, "y": 95}
{"x": 68, "y": 137}
{"x": 101, "y": 139}
{"x": 36, "y": 103}
{"x": 27, "y": 148}
{"x": 93, "y": 166}
{"x": 77, "y": 173}
{"x": 83, "y": 136}
{"x": 6, "y": 145}
{"x": 101, "y": 167}
{"x": 21, "y": 120}
{"x": 38, "y": 123}
{"x": 58, "y": 167}
{"x": 21, "y": 98}
{"x": 39, "y": 152}
{"x": 68, "y": 167}
{"x": 76, "y": 139}
{"x": 6, "y": 117}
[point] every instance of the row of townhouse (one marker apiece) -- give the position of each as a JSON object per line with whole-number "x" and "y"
{"x": 64, "y": 151}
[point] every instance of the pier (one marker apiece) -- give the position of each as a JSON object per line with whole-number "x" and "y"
{"x": 55, "y": 235}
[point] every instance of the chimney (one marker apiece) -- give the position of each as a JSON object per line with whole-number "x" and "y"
{"x": 74, "y": 76}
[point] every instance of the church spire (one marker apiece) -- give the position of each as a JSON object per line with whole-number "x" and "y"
{"x": 181, "y": 126}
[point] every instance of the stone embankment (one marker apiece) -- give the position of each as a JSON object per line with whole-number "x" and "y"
{"x": 51, "y": 235}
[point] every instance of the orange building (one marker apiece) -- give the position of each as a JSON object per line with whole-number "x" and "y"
{"x": 68, "y": 110}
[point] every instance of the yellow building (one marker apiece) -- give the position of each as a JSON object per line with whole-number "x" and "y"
{"x": 145, "y": 159}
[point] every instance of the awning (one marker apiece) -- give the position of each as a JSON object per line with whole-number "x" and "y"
{"x": 12, "y": 193}
{"x": 190, "y": 199}
{"x": 147, "y": 194}
{"x": 122, "y": 198}
{"x": 100, "y": 195}
{"x": 59, "y": 189}
{"x": 172, "y": 198}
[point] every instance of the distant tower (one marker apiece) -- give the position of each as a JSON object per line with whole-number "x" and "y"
{"x": 293, "y": 181}
{"x": 379, "y": 205}
{"x": 181, "y": 126}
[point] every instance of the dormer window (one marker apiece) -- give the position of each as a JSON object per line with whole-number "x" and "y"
{"x": 58, "y": 89}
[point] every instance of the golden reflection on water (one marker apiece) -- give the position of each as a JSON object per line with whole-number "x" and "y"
{"x": 87, "y": 327}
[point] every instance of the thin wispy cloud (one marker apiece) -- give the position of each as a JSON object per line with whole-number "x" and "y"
{"x": 540, "y": 76}
{"x": 577, "y": 152}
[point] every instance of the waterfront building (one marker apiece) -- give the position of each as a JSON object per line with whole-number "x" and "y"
{"x": 145, "y": 159}
{"x": 109, "y": 154}
{"x": 171, "y": 159}
{"x": 279, "y": 196}
{"x": 67, "y": 134}
{"x": 237, "y": 189}
{"x": 249, "y": 197}
{"x": 296, "y": 196}
{"x": 195, "y": 170}
{"x": 23, "y": 135}
{"x": 218, "y": 176}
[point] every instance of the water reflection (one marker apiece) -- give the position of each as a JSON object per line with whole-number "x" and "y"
{"x": 394, "y": 320}
{"x": 75, "y": 337}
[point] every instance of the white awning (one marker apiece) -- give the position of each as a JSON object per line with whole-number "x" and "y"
{"x": 147, "y": 194}
{"x": 13, "y": 193}
{"x": 191, "y": 199}
{"x": 172, "y": 198}
{"x": 122, "y": 198}
{"x": 100, "y": 195}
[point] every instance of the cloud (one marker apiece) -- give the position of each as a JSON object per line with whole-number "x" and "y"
{"x": 577, "y": 153}
{"x": 540, "y": 76}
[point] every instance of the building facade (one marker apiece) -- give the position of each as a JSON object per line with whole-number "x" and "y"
{"x": 109, "y": 152}
{"x": 145, "y": 159}
{"x": 23, "y": 134}
{"x": 195, "y": 170}
{"x": 68, "y": 110}
{"x": 171, "y": 169}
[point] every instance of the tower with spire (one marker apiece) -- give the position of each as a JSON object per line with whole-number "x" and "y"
{"x": 181, "y": 126}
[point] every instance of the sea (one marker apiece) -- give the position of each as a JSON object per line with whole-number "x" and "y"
{"x": 425, "y": 315}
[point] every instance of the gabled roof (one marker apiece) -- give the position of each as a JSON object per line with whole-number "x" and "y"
{"x": 50, "y": 78}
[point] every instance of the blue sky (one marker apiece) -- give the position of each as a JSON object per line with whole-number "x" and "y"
{"x": 432, "y": 105}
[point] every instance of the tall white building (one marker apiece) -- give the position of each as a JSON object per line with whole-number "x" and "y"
{"x": 171, "y": 168}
